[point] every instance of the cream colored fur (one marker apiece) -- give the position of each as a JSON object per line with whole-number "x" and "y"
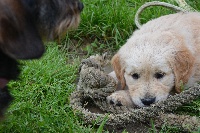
{"x": 164, "y": 53}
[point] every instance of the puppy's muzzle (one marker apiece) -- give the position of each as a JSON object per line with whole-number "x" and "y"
{"x": 148, "y": 101}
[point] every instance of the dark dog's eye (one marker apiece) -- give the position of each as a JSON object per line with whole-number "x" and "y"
{"x": 135, "y": 76}
{"x": 159, "y": 75}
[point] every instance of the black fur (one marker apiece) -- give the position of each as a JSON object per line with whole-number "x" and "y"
{"x": 5, "y": 100}
{"x": 9, "y": 67}
{"x": 9, "y": 70}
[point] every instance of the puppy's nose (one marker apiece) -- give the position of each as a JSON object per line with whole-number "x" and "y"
{"x": 148, "y": 101}
{"x": 80, "y": 6}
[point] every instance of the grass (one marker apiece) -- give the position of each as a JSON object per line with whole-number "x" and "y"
{"x": 41, "y": 101}
{"x": 41, "y": 94}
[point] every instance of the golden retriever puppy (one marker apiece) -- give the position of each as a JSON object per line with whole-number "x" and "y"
{"x": 162, "y": 56}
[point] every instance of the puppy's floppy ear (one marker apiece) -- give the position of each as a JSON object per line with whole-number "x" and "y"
{"x": 118, "y": 70}
{"x": 182, "y": 65}
{"x": 19, "y": 37}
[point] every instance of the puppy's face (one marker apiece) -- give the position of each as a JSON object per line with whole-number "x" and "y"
{"x": 149, "y": 79}
{"x": 150, "y": 67}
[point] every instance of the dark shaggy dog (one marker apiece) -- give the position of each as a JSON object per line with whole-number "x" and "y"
{"x": 24, "y": 25}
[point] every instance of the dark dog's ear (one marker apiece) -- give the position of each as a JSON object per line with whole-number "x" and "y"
{"x": 118, "y": 70}
{"x": 182, "y": 65}
{"x": 19, "y": 37}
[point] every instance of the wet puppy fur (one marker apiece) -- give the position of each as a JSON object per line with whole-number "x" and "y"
{"x": 24, "y": 26}
{"x": 161, "y": 57}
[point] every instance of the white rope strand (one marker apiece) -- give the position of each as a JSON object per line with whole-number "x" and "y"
{"x": 156, "y": 3}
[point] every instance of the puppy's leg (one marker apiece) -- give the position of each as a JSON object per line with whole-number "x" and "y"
{"x": 120, "y": 98}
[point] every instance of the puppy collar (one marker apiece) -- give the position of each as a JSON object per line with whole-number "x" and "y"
{"x": 3, "y": 82}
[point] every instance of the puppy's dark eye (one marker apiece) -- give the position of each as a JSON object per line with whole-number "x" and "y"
{"x": 159, "y": 75}
{"x": 135, "y": 76}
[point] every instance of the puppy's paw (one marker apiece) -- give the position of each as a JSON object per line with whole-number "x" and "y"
{"x": 115, "y": 100}
{"x": 119, "y": 98}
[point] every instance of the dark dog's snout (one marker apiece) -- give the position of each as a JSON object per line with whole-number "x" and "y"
{"x": 80, "y": 6}
{"x": 148, "y": 101}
